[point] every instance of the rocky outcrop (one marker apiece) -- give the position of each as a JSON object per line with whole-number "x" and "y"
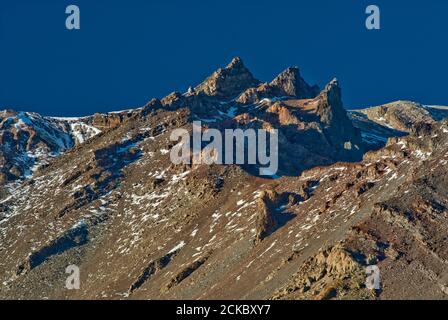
{"x": 337, "y": 126}
{"x": 228, "y": 82}
{"x": 314, "y": 131}
{"x": 266, "y": 222}
{"x": 331, "y": 273}
{"x": 109, "y": 120}
{"x": 289, "y": 83}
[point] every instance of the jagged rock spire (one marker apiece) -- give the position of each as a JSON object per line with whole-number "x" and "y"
{"x": 331, "y": 103}
{"x": 338, "y": 127}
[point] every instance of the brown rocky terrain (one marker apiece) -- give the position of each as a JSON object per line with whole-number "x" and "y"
{"x": 140, "y": 227}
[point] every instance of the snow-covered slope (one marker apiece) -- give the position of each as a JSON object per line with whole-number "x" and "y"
{"x": 29, "y": 140}
{"x": 79, "y": 129}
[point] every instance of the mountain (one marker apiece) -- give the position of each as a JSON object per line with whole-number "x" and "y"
{"x": 399, "y": 118}
{"x": 140, "y": 227}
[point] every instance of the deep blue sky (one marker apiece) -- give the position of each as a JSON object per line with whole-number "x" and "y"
{"x": 128, "y": 52}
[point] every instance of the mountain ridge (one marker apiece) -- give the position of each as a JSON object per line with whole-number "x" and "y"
{"x": 141, "y": 227}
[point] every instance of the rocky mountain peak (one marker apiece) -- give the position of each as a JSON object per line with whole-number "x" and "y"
{"x": 332, "y": 93}
{"x": 332, "y": 85}
{"x": 236, "y": 62}
{"x": 331, "y": 101}
{"x": 228, "y": 82}
{"x": 291, "y": 83}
